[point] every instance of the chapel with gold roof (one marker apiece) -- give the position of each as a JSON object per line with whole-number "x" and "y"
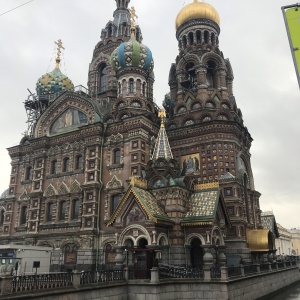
{"x": 104, "y": 173}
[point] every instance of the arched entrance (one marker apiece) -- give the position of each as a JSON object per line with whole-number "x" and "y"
{"x": 196, "y": 253}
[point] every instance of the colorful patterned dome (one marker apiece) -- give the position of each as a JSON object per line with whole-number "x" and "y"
{"x": 53, "y": 82}
{"x": 132, "y": 54}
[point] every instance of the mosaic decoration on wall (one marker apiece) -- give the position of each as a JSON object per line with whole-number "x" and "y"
{"x": 135, "y": 215}
{"x": 190, "y": 164}
{"x": 70, "y": 119}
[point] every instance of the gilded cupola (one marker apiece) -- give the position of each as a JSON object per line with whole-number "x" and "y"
{"x": 197, "y": 10}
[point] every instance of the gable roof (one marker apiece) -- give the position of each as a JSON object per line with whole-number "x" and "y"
{"x": 203, "y": 205}
{"x": 147, "y": 202}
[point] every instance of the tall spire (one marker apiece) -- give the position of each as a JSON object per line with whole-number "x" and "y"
{"x": 162, "y": 147}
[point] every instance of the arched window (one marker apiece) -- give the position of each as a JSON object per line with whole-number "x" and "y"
{"x": 191, "y": 75}
{"x": 66, "y": 164}
{"x": 78, "y": 164}
{"x": 198, "y": 37}
{"x": 75, "y": 209}
{"x": 23, "y": 215}
{"x": 144, "y": 89}
{"x": 210, "y": 75}
{"x": 54, "y": 167}
{"x": 28, "y": 173}
{"x": 62, "y": 210}
{"x": 117, "y": 156}
{"x": 50, "y": 212}
{"x": 102, "y": 78}
{"x": 191, "y": 38}
{"x": 206, "y": 37}
{"x": 131, "y": 85}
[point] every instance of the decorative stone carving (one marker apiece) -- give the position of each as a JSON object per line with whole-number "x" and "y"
{"x": 50, "y": 191}
{"x": 63, "y": 189}
{"x": 75, "y": 187}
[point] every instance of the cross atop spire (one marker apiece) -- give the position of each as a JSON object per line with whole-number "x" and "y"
{"x": 133, "y": 18}
{"x": 59, "y": 47}
{"x": 162, "y": 147}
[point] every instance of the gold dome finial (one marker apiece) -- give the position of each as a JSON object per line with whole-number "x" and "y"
{"x": 59, "y": 47}
{"x": 133, "y": 19}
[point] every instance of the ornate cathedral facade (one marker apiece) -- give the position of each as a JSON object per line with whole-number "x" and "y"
{"x": 103, "y": 173}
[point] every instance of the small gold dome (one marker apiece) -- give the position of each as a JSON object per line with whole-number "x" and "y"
{"x": 197, "y": 10}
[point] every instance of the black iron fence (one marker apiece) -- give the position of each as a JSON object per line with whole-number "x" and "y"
{"x": 139, "y": 274}
{"x": 166, "y": 271}
{"x": 43, "y": 281}
{"x": 102, "y": 276}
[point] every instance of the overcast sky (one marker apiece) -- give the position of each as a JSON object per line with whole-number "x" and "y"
{"x": 253, "y": 37}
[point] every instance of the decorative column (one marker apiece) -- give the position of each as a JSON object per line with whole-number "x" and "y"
{"x": 119, "y": 259}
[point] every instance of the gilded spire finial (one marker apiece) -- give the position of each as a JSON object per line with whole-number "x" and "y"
{"x": 133, "y": 20}
{"x": 59, "y": 47}
{"x": 162, "y": 116}
{"x": 162, "y": 147}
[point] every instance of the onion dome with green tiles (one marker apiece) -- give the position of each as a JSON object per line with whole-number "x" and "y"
{"x": 162, "y": 147}
{"x": 132, "y": 54}
{"x": 55, "y": 81}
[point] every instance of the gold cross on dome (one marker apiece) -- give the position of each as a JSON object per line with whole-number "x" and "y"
{"x": 59, "y": 47}
{"x": 133, "y": 16}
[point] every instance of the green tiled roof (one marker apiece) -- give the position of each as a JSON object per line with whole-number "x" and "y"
{"x": 202, "y": 206}
{"x": 150, "y": 204}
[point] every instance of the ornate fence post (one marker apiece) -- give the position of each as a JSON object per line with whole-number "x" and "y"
{"x": 6, "y": 284}
{"x": 126, "y": 273}
{"x": 154, "y": 275}
{"x": 207, "y": 262}
{"x": 76, "y": 279}
{"x": 224, "y": 273}
{"x": 242, "y": 270}
{"x": 257, "y": 268}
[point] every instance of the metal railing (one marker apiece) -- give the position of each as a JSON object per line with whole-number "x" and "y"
{"x": 215, "y": 272}
{"x": 44, "y": 281}
{"x": 139, "y": 274}
{"x": 250, "y": 269}
{"x": 102, "y": 276}
{"x": 234, "y": 271}
{"x": 166, "y": 271}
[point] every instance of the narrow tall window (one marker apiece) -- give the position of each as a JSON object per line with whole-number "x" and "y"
{"x": 115, "y": 199}
{"x": 117, "y": 156}
{"x": 62, "y": 210}
{"x": 78, "y": 162}
{"x": 49, "y": 211}
{"x": 131, "y": 85}
{"x": 103, "y": 78}
{"x": 75, "y": 209}
{"x": 23, "y": 215}
{"x": 66, "y": 166}
{"x": 28, "y": 173}
{"x": 54, "y": 167}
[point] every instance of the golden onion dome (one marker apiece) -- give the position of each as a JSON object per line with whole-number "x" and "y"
{"x": 197, "y": 10}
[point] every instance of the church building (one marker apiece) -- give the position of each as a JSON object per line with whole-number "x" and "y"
{"x": 105, "y": 177}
